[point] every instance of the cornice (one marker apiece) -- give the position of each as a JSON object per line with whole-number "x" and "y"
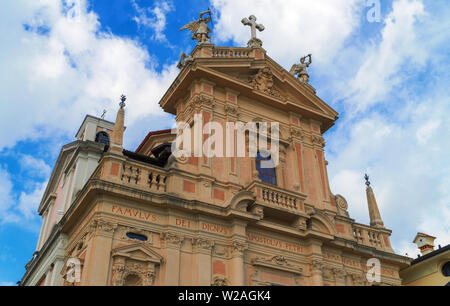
{"x": 350, "y": 245}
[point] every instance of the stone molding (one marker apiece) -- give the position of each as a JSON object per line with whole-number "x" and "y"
{"x": 277, "y": 262}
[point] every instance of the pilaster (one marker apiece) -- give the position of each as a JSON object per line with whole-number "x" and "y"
{"x": 171, "y": 242}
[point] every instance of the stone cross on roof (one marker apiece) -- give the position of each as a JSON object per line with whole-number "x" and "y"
{"x": 251, "y": 21}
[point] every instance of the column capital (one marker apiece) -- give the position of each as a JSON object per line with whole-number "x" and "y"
{"x": 201, "y": 244}
{"x": 172, "y": 240}
{"x": 238, "y": 248}
{"x": 103, "y": 227}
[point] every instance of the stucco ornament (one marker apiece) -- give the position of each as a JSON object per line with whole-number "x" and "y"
{"x": 263, "y": 81}
{"x": 219, "y": 281}
{"x": 339, "y": 273}
{"x": 316, "y": 265}
{"x": 341, "y": 202}
{"x": 300, "y": 69}
{"x": 144, "y": 273}
{"x": 199, "y": 28}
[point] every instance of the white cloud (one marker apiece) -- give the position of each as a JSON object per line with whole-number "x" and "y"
{"x": 5, "y": 192}
{"x": 29, "y": 202}
{"x": 347, "y": 182}
{"x": 383, "y": 68}
{"x": 293, "y": 28}
{"x": 57, "y": 66}
{"x": 34, "y": 166}
{"x": 16, "y": 210}
{"x": 157, "y": 19}
{"x": 426, "y": 131}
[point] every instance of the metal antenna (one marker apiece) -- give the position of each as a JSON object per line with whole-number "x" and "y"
{"x": 103, "y": 115}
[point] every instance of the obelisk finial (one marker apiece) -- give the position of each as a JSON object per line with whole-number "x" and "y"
{"x": 374, "y": 212}
{"x": 119, "y": 127}
{"x": 251, "y": 21}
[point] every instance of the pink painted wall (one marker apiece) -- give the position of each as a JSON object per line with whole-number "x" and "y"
{"x": 60, "y": 191}
{"x": 310, "y": 175}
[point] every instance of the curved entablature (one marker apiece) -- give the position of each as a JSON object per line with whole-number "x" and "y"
{"x": 322, "y": 223}
{"x": 242, "y": 200}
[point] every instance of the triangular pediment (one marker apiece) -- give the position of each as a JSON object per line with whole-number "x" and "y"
{"x": 258, "y": 78}
{"x": 284, "y": 85}
{"x": 138, "y": 252}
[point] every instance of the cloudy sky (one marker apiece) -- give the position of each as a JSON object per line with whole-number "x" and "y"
{"x": 383, "y": 65}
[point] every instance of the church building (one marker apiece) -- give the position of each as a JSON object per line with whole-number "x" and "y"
{"x": 117, "y": 217}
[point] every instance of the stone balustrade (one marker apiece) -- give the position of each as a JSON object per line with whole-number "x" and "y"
{"x": 277, "y": 197}
{"x": 147, "y": 177}
{"x": 231, "y": 52}
{"x": 368, "y": 236}
{"x": 134, "y": 174}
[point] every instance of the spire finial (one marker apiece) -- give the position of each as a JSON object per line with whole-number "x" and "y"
{"x": 123, "y": 98}
{"x": 366, "y": 177}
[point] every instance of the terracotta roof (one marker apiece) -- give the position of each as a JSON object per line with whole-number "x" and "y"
{"x": 145, "y": 158}
{"x": 152, "y": 134}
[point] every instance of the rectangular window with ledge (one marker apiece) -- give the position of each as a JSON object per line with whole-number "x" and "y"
{"x": 267, "y": 175}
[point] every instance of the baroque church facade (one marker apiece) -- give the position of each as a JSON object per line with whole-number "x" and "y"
{"x": 146, "y": 217}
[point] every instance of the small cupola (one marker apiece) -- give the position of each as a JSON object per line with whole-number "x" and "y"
{"x": 425, "y": 243}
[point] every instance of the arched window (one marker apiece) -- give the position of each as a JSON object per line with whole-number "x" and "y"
{"x": 266, "y": 175}
{"x": 446, "y": 269}
{"x": 102, "y": 137}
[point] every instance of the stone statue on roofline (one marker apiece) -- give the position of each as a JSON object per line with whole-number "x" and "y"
{"x": 300, "y": 69}
{"x": 184, "y": 60}
{"x": 199, "y": 28}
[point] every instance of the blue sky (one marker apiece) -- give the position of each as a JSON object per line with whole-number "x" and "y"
{"x": 388, "y": 79}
